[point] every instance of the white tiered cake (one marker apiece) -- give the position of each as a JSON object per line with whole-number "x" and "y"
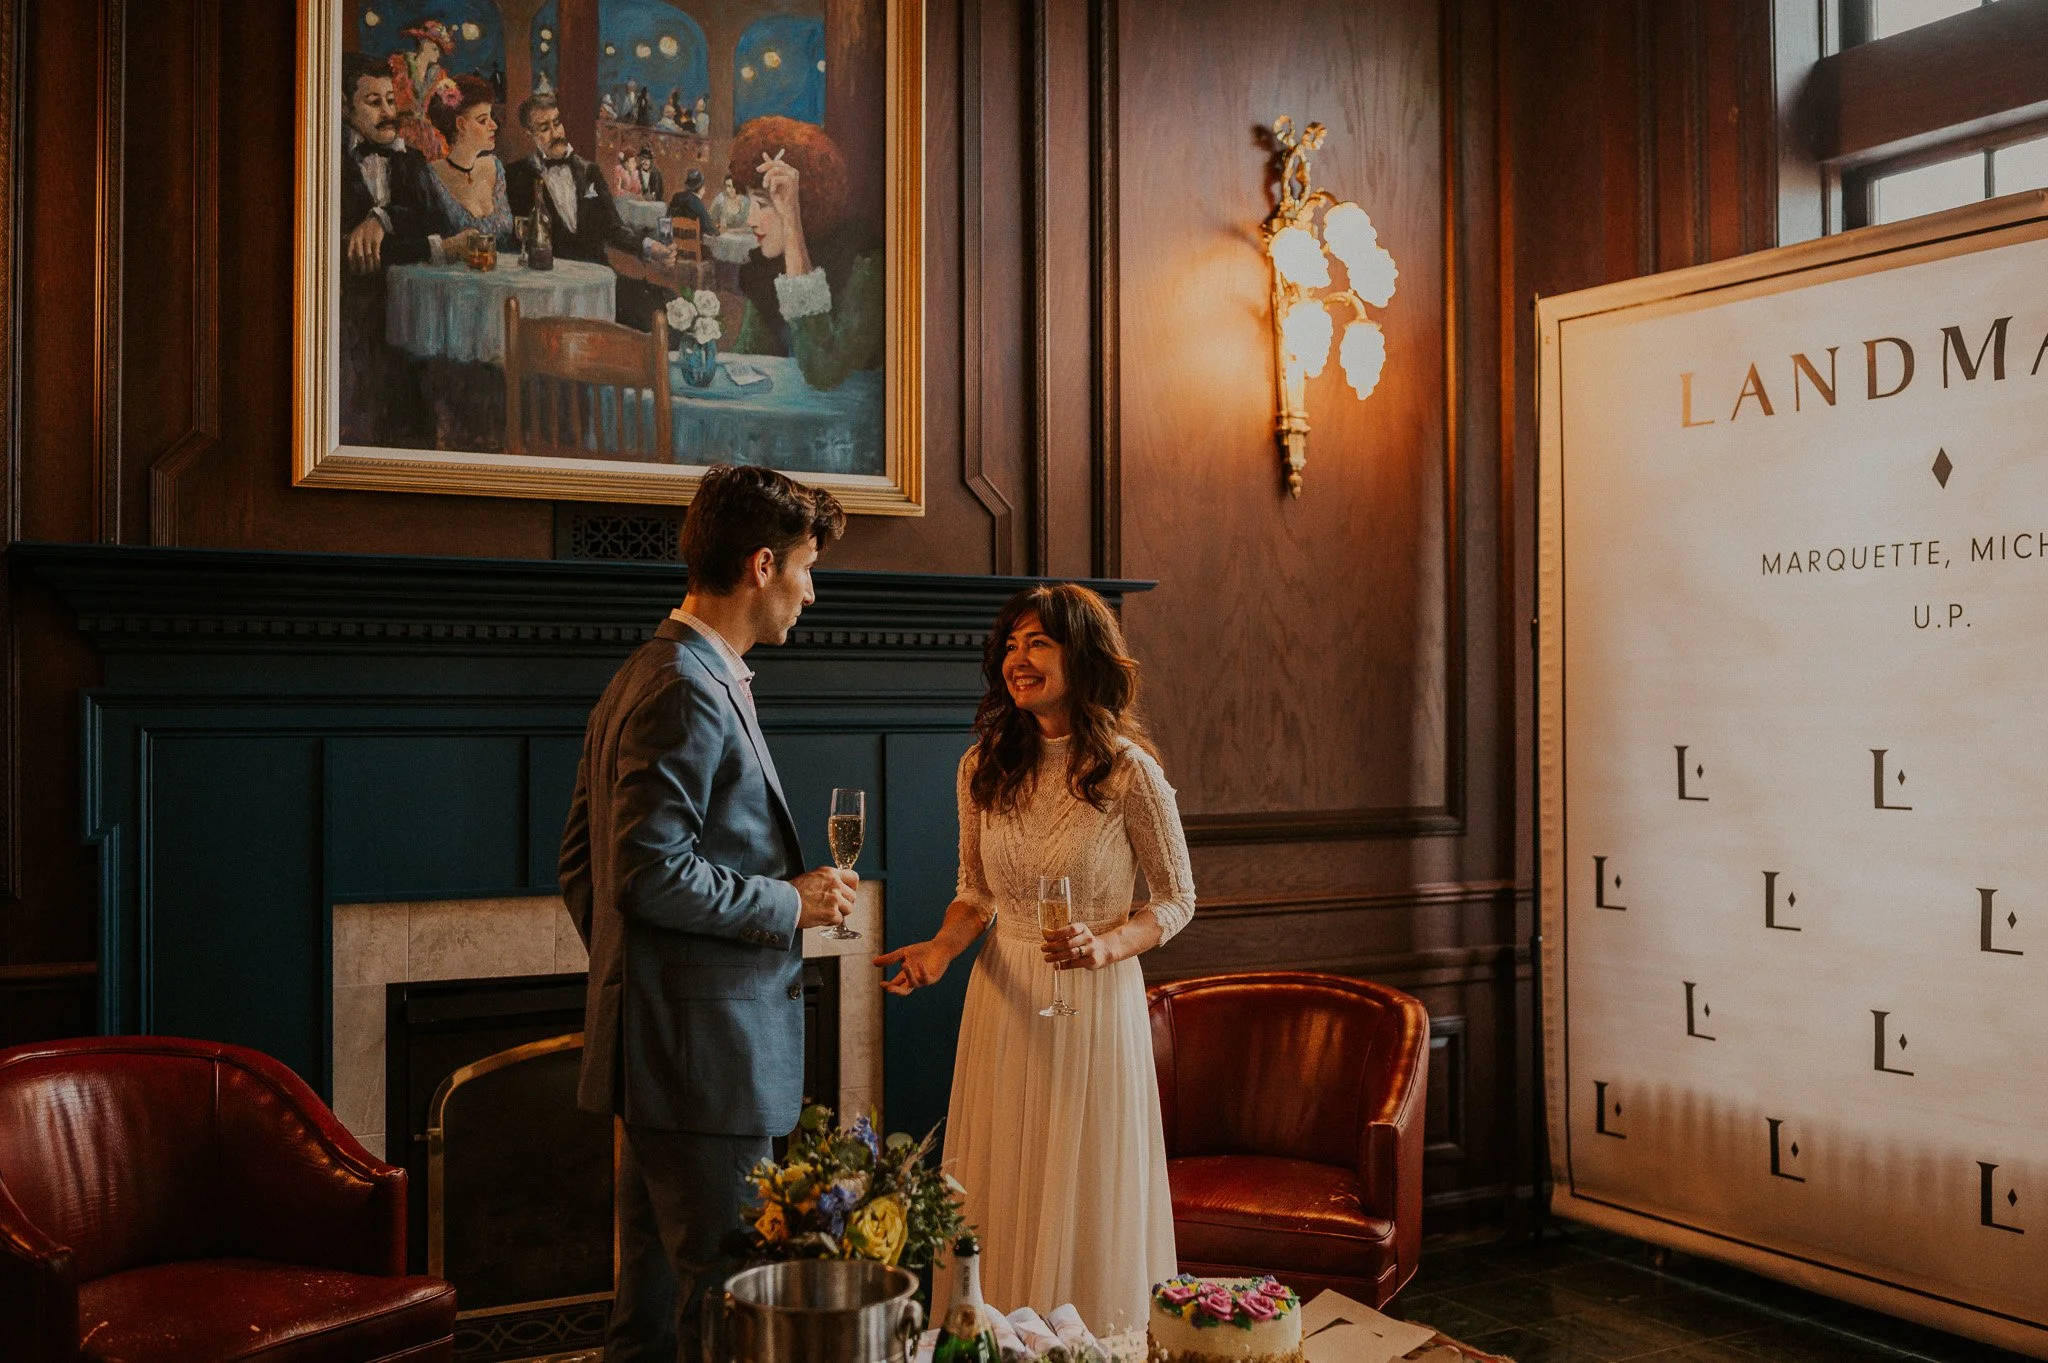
{"x": 1224, "y": 1320}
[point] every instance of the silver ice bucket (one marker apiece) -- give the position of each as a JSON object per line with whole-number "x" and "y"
{"x": 814, "y": 1311}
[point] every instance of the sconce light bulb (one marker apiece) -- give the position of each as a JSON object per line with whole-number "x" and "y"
{"x": 1363, "y": 354}
{"x": 1350, "y": 233}
{"x": 1373, "y": 276}
{"x": 1307, "y": 331}
{"x": 1299, "y": 258}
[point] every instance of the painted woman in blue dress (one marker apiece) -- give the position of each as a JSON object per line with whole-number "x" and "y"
{"x": 467, "y": 399}
{"x": 469, "y": 182}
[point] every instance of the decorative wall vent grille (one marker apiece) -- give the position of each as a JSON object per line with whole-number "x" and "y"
{"x": 617, "y": 534}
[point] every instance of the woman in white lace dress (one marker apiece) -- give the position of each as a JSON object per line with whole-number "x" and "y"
{"x": 1054, "y": 1127}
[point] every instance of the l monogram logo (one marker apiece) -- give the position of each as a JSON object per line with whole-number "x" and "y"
{"x": 1987, "y": 924}
{"x": 1771, "y": 904}
{"x": 1879, "y": 1057}
{"x": 1782, "y": 1152}
{"x": 1600, "y": 1105}
{"x": 1987, "y": 1201}
{"x": 1692, "y": 1017}
{"x": 1600, "y": 886}
{"x": 1698, "y": 773}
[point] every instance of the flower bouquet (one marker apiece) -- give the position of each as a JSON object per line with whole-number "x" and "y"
{"x": 693, "y": 328}
{"x": 849, "y": 1194}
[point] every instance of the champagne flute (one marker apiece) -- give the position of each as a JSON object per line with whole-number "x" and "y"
{"x": 1055, "y": 911}
{"x": 845, "y": 829}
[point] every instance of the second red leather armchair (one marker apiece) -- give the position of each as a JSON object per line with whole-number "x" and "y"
{"x": 1293, "y": 1105}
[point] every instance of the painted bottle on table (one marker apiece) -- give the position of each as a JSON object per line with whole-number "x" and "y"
{"x": 540, "y": 242}
{"x": 966, "y": 1336}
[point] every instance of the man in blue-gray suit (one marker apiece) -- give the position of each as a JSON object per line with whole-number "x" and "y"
{"x": 681, "y": 869}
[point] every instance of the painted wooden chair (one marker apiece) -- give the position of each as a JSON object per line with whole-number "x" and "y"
{"x": 582, "y": 389}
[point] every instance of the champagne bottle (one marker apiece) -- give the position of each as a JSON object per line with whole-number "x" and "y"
{"x": 966, "y": 1336}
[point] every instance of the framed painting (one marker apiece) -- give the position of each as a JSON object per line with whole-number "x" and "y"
{"x": 584, "y": 249}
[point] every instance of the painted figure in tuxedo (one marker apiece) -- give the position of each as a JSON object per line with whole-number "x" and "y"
{"x": 387, "y": 219}
{"x": 581, "y": 213}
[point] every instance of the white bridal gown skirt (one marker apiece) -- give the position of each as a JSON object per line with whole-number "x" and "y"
{"x": 1055, "y": 1132}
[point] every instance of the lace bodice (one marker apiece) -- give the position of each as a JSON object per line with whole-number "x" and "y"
{"x": 1100, "y": 851}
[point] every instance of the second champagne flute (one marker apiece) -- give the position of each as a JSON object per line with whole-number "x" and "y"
{"x": 1055, "y": 911}
{"x": 845, "y": 829}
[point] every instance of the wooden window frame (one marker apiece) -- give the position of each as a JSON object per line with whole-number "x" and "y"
{"x": 1853, "y": 110}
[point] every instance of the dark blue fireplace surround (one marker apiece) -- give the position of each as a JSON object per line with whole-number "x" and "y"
{"x": 277, "y": 733}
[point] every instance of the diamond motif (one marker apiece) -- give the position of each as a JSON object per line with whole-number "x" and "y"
{"x": 1699, "y": 771}
{"x": 1902, "y": 1042}
{"x": 2012, "y": 1199}
{"x": 1791, "y": 901}
{"x": 1795, "y": 1149}
{"x": 1617, "y": 1109}
{"x": 1707, "y": 1009}
{"x": 2012, "y": 920}
{"x": 1942, "y": 467}
{"x": 1902, "y": 778}
{"x": 1617, "y": 882}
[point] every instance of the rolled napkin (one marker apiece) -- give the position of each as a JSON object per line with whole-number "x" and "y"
{"x": 1082, "y": 1347}
{"x": 1039, "y": 1339}
{"x": 1008, "y": 1340}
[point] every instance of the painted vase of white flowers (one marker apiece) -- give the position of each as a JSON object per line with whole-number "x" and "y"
{"x": 693, "y": 329}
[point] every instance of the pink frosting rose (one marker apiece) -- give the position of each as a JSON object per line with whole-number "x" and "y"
{"x": 1258, "y": 1306}
{"x": 1215, "y": 1299}
{"x": 1177, "y": 1293}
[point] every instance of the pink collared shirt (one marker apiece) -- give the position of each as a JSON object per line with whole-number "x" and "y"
{"x": 735, "y": 666}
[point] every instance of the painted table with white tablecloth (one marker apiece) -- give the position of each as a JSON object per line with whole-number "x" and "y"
{"x": 759, "y": 410}
{"x": 642, "y": 215}
{"x": 451, "y": 312}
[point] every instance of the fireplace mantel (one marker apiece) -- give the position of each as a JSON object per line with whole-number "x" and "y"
{"x": 278, "y": 732}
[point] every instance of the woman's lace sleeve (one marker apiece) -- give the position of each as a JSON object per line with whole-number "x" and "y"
{"x": 1152, "y": 818}
{"x": 973, "y": 885}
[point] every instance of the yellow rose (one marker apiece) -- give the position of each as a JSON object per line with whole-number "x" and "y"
{"x": 877, "y": 1230}
{"x": 770, "y": 1224}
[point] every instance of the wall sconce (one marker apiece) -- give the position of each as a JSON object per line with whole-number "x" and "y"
{"x": 1299, "y": 247}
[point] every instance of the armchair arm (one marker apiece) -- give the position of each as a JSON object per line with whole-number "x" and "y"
{"x": 38, "y": 1291}
{"x": 1390, "y": 1143}
{"x": 298, "y": 1187}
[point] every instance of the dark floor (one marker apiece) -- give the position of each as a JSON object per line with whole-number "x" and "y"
{"x": 1584, "y": 1296}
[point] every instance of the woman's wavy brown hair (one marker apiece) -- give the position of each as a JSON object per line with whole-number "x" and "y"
{"x": 1102, "y": 687}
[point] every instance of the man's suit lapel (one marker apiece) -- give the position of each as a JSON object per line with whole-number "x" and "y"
{"x": 681, "y": 633}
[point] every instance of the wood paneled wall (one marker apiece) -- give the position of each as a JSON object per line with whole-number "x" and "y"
{"x": 1340, "y": 684}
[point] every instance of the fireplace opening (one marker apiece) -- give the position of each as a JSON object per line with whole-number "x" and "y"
{"x": 512, "y": 1182}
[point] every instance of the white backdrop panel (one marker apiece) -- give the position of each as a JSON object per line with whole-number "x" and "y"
{"x": 1794, "y": 741}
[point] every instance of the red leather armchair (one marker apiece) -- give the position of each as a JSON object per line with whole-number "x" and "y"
{"x": 165, "y": 1200}
{"x": 1293, "y": 1105}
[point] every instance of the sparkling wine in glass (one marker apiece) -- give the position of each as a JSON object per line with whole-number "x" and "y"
{"x": 1055, "y": 911}
{"x": 845, "y": 828}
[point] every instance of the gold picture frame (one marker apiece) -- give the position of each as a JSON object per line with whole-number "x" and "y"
{"x": 884, "y": 474}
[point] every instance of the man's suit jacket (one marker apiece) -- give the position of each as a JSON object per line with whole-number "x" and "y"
{"x": 411, "y": 206}
{"x": 651, "y": 184}
{"x": 597, "y": 216}
{"x": 674, "y": 866}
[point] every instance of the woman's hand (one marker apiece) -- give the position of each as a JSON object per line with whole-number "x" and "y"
{"x": 923, "y": 963}
{"x": 1076, "y": 947}
{"x": 779, "y": 180}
